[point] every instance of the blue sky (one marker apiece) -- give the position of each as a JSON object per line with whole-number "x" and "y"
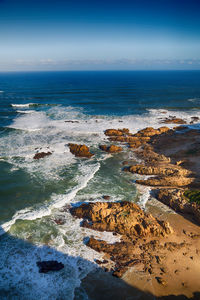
{"x": 99, "y": 35}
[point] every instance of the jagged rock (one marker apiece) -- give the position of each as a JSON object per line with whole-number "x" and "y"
{"x": 130, "y": 139}
{"x": 116, "y": 132}
{"x": 122, "y": 217}
{"x": 151, "y": 157}
{"x": 49, "y": 265}
{"x": 41, "y": 155}
{"x": 80, "y": 150}
{"x": 129, "y": 220}
{"x": 111, "y": 148}
{"x": 150, "y": 131}
{"x": 175, "y": 199}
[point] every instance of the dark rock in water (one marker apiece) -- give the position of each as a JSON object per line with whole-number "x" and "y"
{"x": 195, "y": 119}
{"x": 106, "y": 197}
{"x": 41, "y": 155}
{"x": 49, "y": 265}
{"x": 125, "y": 163}
{"x": 70, "y": 121}
{"x": 174, "y": 120}
{"x": 59, "y": 221}
{"x": 99, "y": 262}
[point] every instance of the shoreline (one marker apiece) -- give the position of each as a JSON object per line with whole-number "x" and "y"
{"x": 164, "y": 264}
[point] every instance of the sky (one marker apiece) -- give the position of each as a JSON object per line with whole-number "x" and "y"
{"x": 99, "y": 35}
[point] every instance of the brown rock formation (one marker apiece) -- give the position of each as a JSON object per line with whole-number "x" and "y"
{"x": 175, "y": 199}
{"x": 80, "y": 150}
{"x": 116, "y": 132}
{"x": 167, "y": 181}
{"x": 160, "y": 169}
{"x": 122, "y": 217}
{"x": 150, "y": 131}
{"x": 111, "y": 148}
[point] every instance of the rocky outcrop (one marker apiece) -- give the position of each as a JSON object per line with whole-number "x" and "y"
{"x": 167, "y": 181}
{"x": 160, "y": 169}
{"x": 134, "y": 140}
{"x": 41, "y": 155}
{"x": 80, "y": 150}
{"x": 122, "y": 217}
{"x": 173, "y": 120}
{"x": 116, "y": 132}
{"x": 129, "y": 139}
{"x": 151, "y": 157}
{"x": 111, "y": 148}
{"x": 150, "y": 131}
{"x": 49, "y": 265}
{"x": 141, "y": 234}
{"x": 176, "y": 199}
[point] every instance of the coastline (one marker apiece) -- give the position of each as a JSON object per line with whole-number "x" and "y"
{"x": 170, "y": 264}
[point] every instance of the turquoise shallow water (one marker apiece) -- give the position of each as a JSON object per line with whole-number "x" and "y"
{"x": 34, "y": 108}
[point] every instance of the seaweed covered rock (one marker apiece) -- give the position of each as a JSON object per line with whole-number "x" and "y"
{"x": 80, "y": 150}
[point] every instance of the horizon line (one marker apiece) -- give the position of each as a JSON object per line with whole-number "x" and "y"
{"x": 100, "y": 70}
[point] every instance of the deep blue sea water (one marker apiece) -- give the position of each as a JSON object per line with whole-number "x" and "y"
{"x": 34, "y": 108}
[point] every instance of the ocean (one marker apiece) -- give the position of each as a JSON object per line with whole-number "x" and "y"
{"x": 44, "y": 111}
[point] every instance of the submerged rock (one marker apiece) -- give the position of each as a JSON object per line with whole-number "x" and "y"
{"x": 49, "y": 265}
{"x": 80, "y": 150}
{"x": 174, "y": 120}
{"x": 41, "y": 155}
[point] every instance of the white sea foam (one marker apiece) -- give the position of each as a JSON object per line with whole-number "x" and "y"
{"x": 194, "y": 100}
{"x": 57, "y": 201}
{"x": 23, "y": 105}
{"x": 144, "y": 195}
{"x": 25, "y": 111}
